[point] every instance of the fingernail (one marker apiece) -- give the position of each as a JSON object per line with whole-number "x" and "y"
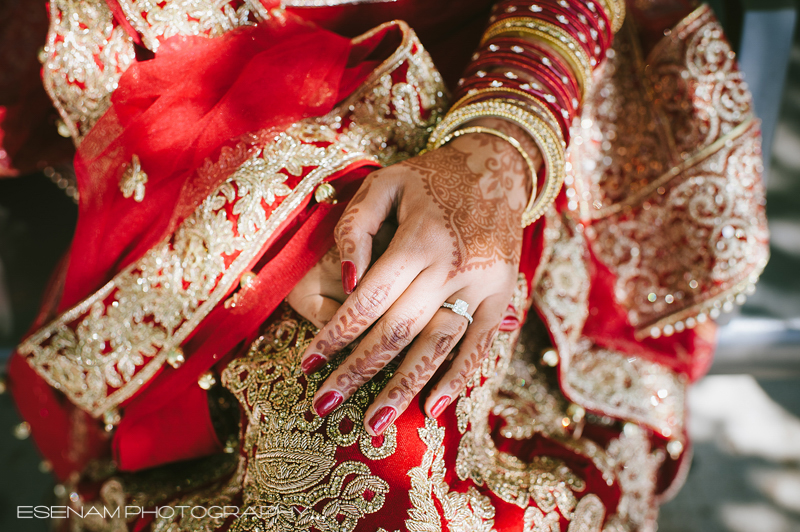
{"x": 325, "y": 404}
{"x": 313, "y": 363}
{"x": 382, "y": 419}
{"x": 509, "y": 323}
{"x": 441, "y": 404}
{"x": 349, "y": 278}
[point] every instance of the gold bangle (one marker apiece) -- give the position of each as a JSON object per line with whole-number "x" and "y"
{"x": 536, "y": 106}
{"x": 548, "y": 140}
{"x": 511, "y": 140}
{"x": 560, "y": 41}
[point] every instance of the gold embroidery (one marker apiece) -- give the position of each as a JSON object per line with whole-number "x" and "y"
{"x": 529, "y": 406}
{"x": 157, "y": 20}
{"x": 677, "y": 205}
{"x": 105, "y": 348}
{"x": 463, "y": 512}
{"x": 162, "y": 297}
{"x": 613, "y": 383}
{"x": 133, "y": 180}
{"x": 637, "y": 467}
{"x": 626, "y": 387}
{"x": 289, "y": 453}
{"x": 561, "y": 282}
{"x": 589, "y": 515}
{"x": 546, "y": 481}
{"x": 535, "y": 521}
{"x": 85, "y": 55}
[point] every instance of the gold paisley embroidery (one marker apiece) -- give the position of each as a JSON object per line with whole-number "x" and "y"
{"x": 676, "y": 208}
{"x": 291, "y": 472}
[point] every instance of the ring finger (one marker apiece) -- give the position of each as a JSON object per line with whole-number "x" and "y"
{"x": 428, "y": 352}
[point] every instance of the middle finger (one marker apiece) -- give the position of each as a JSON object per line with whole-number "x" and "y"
{"x": 390, "y": 335}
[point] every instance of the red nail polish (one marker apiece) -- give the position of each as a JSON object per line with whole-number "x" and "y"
{"x": 382, "y": 419}
{"x": 325, "y": 404}
{"x": 509, "y": 323}
{"x": 313, "y": 363}
{"x": 349, "y": 276}
{"x": 441, "y": 404}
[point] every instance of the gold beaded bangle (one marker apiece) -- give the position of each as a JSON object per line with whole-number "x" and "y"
{"x": 533, "y": 103}
{"x": 511, "y": 140}
{"x": 546, "y": 138}
{"x": 559, "y": 40}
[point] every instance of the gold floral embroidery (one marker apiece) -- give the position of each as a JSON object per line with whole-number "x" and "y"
{"x": 127, "y": 327}
{"x": 636, "y": 467}
{"x": 289, "y": 453}
{"x": 156, "y": 20}
{"x": 105, "y": 348}
{"x": 463, "y": 512}
{"x": 535, "y": 521}
{"x": 133, "y": 180}
{"x": 546, "y": 481}
{"x": 85, "y": 55}
{"x": 677, "y": 206}
{"x": 626, "y": 387}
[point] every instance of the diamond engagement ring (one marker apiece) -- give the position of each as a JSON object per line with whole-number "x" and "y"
{"x": 459, "y": 307}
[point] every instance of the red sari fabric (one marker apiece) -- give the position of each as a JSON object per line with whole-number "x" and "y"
{"x": 194, "y": 98}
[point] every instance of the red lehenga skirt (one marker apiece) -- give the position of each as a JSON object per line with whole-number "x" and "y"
{"x": 163, "y": 382}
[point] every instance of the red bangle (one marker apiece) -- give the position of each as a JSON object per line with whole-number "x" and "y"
{"x": 542, "y": 96}
{"x": 570, "y": 27}
{"x": 529, "y": 52}
{"x": 537, "y": 72}
{"x": 596, "y": 18}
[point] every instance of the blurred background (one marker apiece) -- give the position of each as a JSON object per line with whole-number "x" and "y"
{"x": 745, "y": 415}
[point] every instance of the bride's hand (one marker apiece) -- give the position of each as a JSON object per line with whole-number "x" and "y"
{"x": 459, "y": 236}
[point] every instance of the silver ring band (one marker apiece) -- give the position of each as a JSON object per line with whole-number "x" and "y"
{"x": 459, "y": 307}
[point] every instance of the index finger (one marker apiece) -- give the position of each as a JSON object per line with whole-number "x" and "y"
{"x": 386, "y": 281}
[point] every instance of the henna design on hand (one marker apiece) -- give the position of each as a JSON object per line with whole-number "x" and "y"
{"x": 473, "y": 362}
{"x": 348, "y": 326}
{"x": 375, "y": 358}
{"x": 345, "y": 226}
{"x": 482, "y": 223}
{"x": 409, "y": 384}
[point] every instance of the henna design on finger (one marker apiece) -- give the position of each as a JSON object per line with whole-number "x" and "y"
{"x": 346, "y": 227}
{"x": 408, "y": 385}
{"x": 361, "y": 369}
{"x": 484, "y": 225}
{"x": 350, "y": 325}
{"x": 473, "y": 362}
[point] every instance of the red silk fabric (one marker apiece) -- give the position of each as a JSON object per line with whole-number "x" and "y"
{"x": 178, "y": 109}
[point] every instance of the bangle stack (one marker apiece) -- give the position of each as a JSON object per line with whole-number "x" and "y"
{"x": 533, "y": 67}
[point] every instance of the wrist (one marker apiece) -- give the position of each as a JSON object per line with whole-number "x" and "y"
{"x": 504, "y": 151}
